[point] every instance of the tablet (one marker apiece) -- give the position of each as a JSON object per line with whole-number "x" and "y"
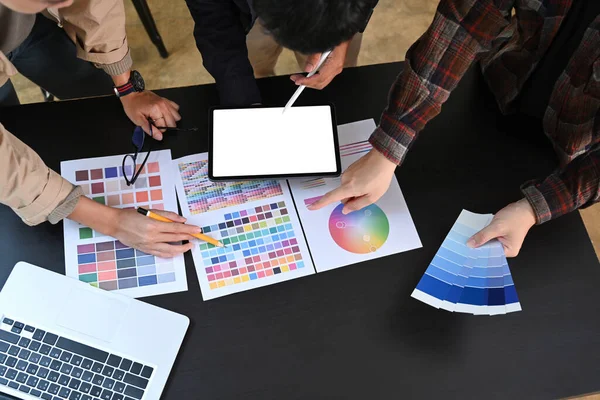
{"x": 263, "y": 142}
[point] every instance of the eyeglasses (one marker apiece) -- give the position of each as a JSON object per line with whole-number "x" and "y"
{"x": 131, "y": 171}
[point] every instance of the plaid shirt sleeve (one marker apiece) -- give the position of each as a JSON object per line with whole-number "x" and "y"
{"x": 462, "y": 32}
{"x": 575, "y": 186}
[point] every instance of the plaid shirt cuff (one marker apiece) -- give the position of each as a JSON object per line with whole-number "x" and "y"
{"x": 387, "y": 145}
{"x": 537, "y": 201}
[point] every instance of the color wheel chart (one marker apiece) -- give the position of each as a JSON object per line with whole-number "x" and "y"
{"x": 360, "y": 232}
{"x": 257, "y": 222}
{"x": 461, "y": 279}
{"x": 378, "y": 230}
{"x": 105, "y": 262}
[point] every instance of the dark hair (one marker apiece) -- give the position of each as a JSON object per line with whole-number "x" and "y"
{"x": 313, "y": 26}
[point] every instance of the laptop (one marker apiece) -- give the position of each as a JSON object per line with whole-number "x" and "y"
{"x": 64, "y": 339}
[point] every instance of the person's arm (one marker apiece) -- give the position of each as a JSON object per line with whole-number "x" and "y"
{"x": 575, "y": 186}
{"x": 38, "y": 194}
{"x": 28, "y": 186}
{"x": 136, "y": 230}
{"x": 332, "y": 67}
{"x": 461, "y": 33}
{"x": 97, "y": 27}
{"x": 221, "y": 39}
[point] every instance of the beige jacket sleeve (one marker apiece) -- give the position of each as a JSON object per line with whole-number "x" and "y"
{"x": 29, "y": 187}
{"x": 98, "y": 29}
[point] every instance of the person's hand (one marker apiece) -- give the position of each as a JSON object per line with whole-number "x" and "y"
{"x": 151, "y": 236}
{"x": 510, "y": 226}
{"x": 363, "y": 183}
{"x": 332, "y": 66}
{"x": 141, "y": 106}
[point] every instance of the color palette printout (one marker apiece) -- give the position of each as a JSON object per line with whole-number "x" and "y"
{"x": 335, "y": 239}
{"x": 466, "y": 280}
{"x": 257, "y": 222}
{"x": 105, "y": 262}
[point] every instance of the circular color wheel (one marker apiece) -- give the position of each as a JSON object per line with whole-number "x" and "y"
{"x": 360, "y": 232}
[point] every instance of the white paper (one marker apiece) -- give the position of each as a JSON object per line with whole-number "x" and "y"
{"x": 265, "y": 141}
{"x": 135, "y": 274}
{"x": 212, "y": 205}
{"x": 379, "y": 230}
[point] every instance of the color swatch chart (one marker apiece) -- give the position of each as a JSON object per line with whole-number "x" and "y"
{"x": 261, "y": 232}
{"x": 107, "y": 186}
{"x": 111, "y": 265}
{"x": 466, "y": 280}
{"x": 203, "y": 195}
{"x": 102, "y": 180}
{"x": 378, "y": 230}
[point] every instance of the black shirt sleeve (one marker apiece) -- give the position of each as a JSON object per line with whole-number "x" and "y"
{"x": 221, "y": 38}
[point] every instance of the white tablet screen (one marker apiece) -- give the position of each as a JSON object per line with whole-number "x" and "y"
{"x": 264, "y": 141}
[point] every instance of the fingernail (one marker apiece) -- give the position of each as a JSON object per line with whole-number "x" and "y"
{"x": 345, "y": 212}
{"x": 471, "y": 243}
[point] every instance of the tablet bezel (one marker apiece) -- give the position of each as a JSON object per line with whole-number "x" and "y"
{"x": 274, "y": 176}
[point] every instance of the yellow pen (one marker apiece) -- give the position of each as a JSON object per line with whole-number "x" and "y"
{"x": 160, "y": 218}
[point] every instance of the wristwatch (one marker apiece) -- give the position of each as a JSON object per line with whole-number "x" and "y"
{"x": 135, "y": 84}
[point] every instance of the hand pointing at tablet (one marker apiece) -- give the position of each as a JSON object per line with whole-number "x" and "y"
{"x": 363, "y": 183}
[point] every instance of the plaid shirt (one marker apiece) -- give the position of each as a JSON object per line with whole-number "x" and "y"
{"x": 509, "y": 47}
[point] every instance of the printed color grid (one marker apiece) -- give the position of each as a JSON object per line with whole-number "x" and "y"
{"x": 107, "y": 186}
{"x": 105, "y": 262}
{"x": 203, "y": 195}
{"x": 112, "y": 265}
{"x": 260, "y": 241}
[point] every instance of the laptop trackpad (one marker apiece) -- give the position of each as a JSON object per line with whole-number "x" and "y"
{"x": 92, "y": 314}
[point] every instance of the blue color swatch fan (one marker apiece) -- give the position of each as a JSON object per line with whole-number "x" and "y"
{"x": 461, "y": 279}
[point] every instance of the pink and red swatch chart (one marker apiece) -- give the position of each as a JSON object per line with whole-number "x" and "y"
{"x": 256, "y": 220}
{"x": 107, "y": 186}
{"x": 105, "y": 262}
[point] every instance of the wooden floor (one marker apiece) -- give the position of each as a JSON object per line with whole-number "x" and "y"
{"x": 395, "y": 25}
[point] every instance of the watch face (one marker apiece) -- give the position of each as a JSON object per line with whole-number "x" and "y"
{"x": 137, "y": 81}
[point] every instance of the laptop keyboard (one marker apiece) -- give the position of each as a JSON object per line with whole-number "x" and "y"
{"x": 52, "y": 367}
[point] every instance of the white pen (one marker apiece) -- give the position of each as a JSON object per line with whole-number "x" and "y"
{"x": 301, "y": 88}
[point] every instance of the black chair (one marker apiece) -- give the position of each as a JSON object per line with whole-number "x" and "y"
{"x": 141, "y": 6}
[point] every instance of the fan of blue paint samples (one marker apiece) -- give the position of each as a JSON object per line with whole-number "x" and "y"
{"x": 466, "y": 280}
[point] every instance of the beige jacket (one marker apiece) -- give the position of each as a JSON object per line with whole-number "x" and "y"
{"x": 27, "y": 185}
{"x": 97, "y": 27}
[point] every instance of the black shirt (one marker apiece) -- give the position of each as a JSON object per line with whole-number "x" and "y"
{"x": 220, "y": 32}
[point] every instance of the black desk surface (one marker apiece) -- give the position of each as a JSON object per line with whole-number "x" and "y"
{"x": 355, "y": 333}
